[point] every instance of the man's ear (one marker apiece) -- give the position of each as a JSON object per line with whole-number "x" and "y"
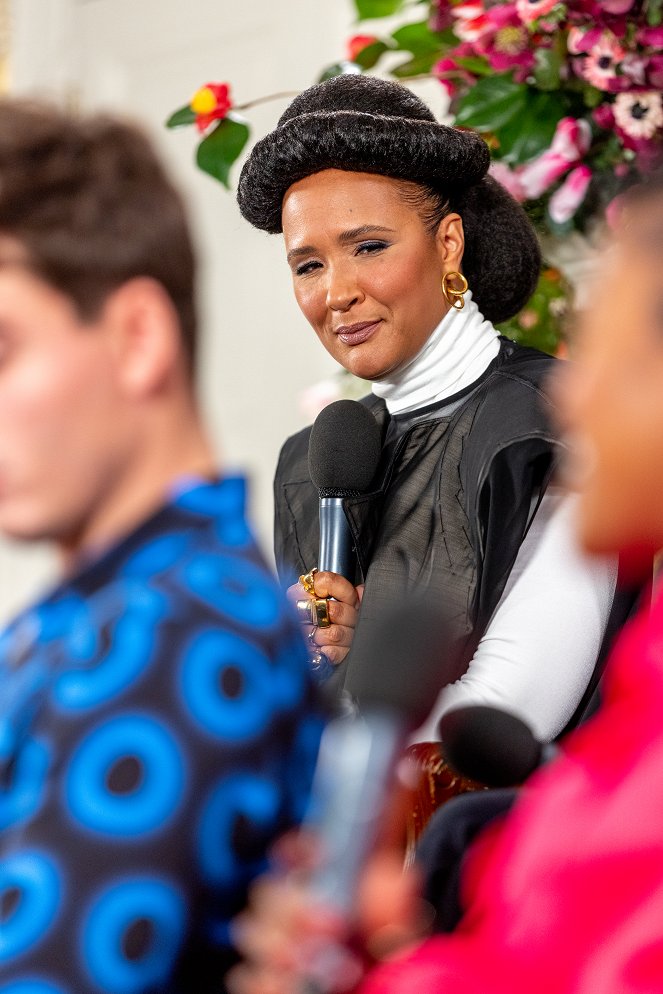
{"x": 450, "y": 239}
{"x": 144, "y": 334}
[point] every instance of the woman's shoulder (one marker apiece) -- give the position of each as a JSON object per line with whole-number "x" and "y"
{"x": 514, "y": 417}
{"x": 522, "y": 364}
{"x": 515, "y": 398}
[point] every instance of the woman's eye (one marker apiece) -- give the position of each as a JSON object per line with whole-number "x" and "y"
{"x": 307, "y": 267}
{"x": 370, "y": 247}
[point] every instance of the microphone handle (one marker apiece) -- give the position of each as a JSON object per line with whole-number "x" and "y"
{"x": 336, "y": 542}
{"x": 351, "y": 784}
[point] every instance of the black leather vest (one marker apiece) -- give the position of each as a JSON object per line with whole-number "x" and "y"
{"x": 449, "y": 507}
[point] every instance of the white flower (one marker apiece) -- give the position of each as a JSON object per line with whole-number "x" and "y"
{"x": 640, "y": 115}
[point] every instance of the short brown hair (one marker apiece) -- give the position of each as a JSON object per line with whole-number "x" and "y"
{"x": 92, "y": 205}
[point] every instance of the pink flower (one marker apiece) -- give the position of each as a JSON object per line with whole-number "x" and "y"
{"x": 650, "y": 36}
{"x": 634, "y": 66}
{"x": 566, "y": 201}
{"x": 531, "y": 10}
{"x": 604, "y": 116}
{"x": 600, "y": 66}
{"x": 507, "y": 44}
{"x": 509, "y": 179}
{"x": 572, "y": 138}
{"x": 442, "y": 17}
{"x": 450, "y": 74}
{"x": 654, "y": 71}
{"x": 581, "y": 41}
{"x": 615, "y": 6}
{"x": 571, "y": 141}
{"x": 316, "y": 397}
{"x": 613, "y": 211}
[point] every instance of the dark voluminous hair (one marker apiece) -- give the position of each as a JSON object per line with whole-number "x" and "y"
{"x": 92, "y": 207}
{"x": 364, "y": 124}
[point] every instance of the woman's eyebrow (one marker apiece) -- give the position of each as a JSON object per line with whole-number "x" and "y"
{"x": 344, "y": 238}
{"x": 302, "y": 250}
{"x": 364, "y": 229}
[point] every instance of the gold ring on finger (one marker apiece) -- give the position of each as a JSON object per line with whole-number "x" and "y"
{"x": 322, "y": 612}
{"x": 307, "y": 581}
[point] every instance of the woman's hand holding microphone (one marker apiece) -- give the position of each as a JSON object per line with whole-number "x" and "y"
{"x": 342, "y": 610}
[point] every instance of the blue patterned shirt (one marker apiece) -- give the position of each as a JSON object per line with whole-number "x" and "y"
{"x": 157, "y": 731}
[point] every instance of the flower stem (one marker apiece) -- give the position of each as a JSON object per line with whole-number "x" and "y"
{"x": 263, "y": 100}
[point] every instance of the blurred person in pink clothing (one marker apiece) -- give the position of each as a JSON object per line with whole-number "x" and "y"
{"x": 566, "y": 895}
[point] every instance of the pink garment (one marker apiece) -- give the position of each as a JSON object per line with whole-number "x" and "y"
{"x": 566, "y": 896}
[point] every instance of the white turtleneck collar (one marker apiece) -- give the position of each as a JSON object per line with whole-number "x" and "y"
{"x": 455, "y": 355}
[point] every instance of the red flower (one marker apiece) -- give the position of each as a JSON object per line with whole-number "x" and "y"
{"x": 357, "y": 44}
{"x": 210, "y": 103}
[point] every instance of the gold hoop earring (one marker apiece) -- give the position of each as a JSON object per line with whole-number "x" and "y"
{"x": 454, "y": 295}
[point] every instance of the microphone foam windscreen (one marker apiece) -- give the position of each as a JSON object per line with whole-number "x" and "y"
{"x": 489, "y": 745}
{"x": 407, "y": 657}
{"x": 344, "y": 449}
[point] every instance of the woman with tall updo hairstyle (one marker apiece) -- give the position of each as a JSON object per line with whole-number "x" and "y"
{"x": 403, "y": 253}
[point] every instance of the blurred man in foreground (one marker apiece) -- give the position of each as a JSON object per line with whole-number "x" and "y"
{"x": 565, "y": 894}
{"x": 156, "y": 723}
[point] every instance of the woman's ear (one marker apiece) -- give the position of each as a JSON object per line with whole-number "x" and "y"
{"x": 450, "y": 240}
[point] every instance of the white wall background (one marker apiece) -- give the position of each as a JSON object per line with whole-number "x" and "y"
{"x": 145, "y": 58}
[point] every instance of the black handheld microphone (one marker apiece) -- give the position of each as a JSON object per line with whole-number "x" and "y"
{"x": 343, "y": 455}
{"x": 491, "y": 746}
{"x": 359, "y": 754}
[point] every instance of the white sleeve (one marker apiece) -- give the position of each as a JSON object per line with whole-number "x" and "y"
{"x": 540, "y": 647}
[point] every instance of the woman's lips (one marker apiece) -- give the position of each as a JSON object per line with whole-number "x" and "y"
{"x": 355, "y": 334}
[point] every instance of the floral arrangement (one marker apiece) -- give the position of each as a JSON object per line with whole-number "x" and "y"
{"x": 567, "y": 94}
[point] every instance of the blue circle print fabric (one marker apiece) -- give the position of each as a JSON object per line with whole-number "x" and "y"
{"x": 158, "y": 732}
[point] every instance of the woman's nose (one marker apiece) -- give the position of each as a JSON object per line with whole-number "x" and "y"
{"x": 342, "y": 289}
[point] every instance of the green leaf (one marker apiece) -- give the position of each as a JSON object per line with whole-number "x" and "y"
{"x": 547, "y": 67}
{"x": 475, "y": 64}
{"x": 181, "y": 117}
{"x": 417, "y": 38}
{"x": 592, "y": 96}
{"x": 491, "y": 104}
{"x": 414, "y": 67}
{"x": 541, "y": 322}
{"x": 531, "y": 132}
{"x": 370, "y": 56}
{"x": 221, "y": 147}
{"x": 338, "y": 69}
{"x": 522, "y": 118}
{"x": 377, "y": 8}
{"x": 654, "y": 13}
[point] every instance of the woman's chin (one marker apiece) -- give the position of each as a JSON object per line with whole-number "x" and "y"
{"x": 364, "y": 370}
{"x": 367, "y": 367}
